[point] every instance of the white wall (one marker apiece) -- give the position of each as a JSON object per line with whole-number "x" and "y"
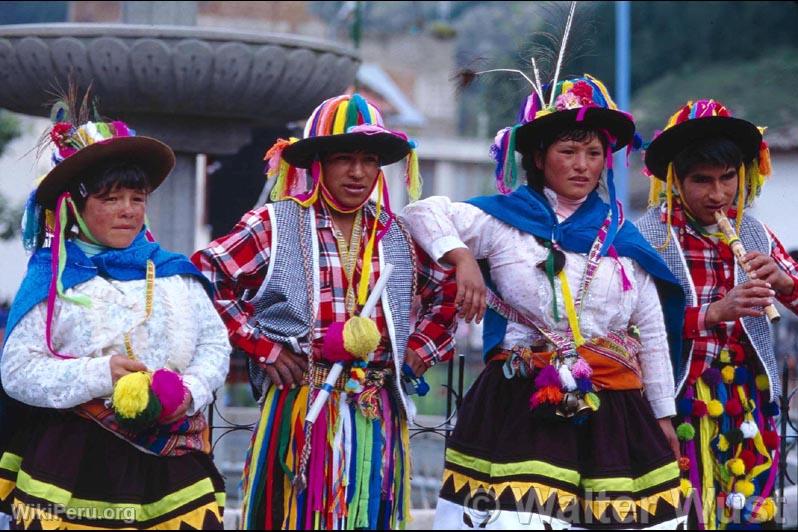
{"x": 19, "y": 167}
{"x": 778, "y": 205}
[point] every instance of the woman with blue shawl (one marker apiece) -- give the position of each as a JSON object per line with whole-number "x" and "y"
{"x": 112, "y": 350}
{"x": 569, "y": 423}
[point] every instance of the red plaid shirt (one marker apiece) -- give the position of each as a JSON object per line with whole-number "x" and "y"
{"x": 238, "y": 262}
{"x": 711, "y": 264}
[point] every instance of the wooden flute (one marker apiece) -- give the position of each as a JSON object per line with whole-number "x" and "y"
{"x": 737, "y": 248}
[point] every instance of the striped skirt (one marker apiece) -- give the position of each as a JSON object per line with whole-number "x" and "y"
{"x": 62, "y": 471}
{"x": 358, "y": 474}
{"x": 507, "y": 468}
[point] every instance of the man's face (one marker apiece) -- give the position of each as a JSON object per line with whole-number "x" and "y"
{"x": 350, "y": 176}
{"x": 707, "y": 189}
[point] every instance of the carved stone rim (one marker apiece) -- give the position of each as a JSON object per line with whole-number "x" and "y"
{"x": 70, "y": 29}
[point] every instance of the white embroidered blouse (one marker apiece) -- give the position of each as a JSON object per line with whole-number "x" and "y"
{"x": 184, "y": 333}
{"x": 439, "y": 226}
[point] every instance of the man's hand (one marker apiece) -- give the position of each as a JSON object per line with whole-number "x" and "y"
{"x": 670, "y": 436}
{"x": 471, "y": 291}
{"x": 763, "y": 267}
{"x": 415, "y": 362}
{"x": 122, "y": 365}
{"x": 288, "y": 369}
{"x": 746, "y": 299}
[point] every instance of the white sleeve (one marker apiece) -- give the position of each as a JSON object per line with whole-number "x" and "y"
{"x": 33, "y": 376}
{"x": 655, "y": 360}
{"x": 211, "y": 361}
{"x": 439, "y": 225}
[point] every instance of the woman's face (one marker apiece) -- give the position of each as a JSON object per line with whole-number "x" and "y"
{"x": 572, "y": 168}
{"x": 115, "y": 217}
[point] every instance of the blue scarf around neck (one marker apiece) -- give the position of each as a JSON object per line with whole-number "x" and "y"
{"x": 529, "y": 211}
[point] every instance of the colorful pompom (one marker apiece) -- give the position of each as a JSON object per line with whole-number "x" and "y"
{"x": 686, "y": 487}
{"x": 567, "y": 379}
{"x": 584, "y": 385}
{"x": 721, "y": 443}
{"x": 546, "y": 395}
{"x": 771, "y": 409}
{"x": 767, "y": 511}
{"x": 711, "y": 377}
{"x": 762, "y": 383}
{"x": 699, "y": 409}
{"x": 135, "y": 405}
{"x": 727, "y": 374}
{"x": 715, "y": 408}
{"x": 361, "y": 336}
{"x": 685, "y": 407}
{"x": 749, "y": 459}
{"x": 581, "y": 369}
{"x": 735, "y": 501}
{"x": 684, "y": 463}
{"x": 741, "y": 375}
{"x": 592, "y": 401}
{"x": 771, "y": 439}
{"x": 749, "y": 429}
{"x": 735, "y": 437}
{"x": 333, "y": 349}
{"x": 724, "y": 357}
{"x": 168, "y": 387}
{"x": 745, "y": 487}
{"x": 736, "y": 467}
{"x": 685, "y": 432}
{"x": 548, "y": 376}
{"x": 734, "y": 407}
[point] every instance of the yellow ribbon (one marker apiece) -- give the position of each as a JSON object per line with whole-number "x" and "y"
{"x": 570, "y": 309}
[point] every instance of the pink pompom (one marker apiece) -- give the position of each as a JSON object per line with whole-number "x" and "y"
{"x": 333, "y": 349}
{"x": 169, "y": 389}
{"x": 548, "y": 376}
{"x": 581, "y": 369}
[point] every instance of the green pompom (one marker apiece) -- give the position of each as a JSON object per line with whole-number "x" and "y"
{"x": 685, "y": 432}
{"x": 145, "y": 419}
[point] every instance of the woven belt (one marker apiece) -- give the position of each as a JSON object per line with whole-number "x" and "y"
{"x": 375, "y": 376}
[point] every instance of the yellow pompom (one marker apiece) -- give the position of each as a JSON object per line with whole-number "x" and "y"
{"x": 728, "y": 374}
{"x": 361, "y": 336}
{"x": 736, "y": 467}
{"x": 762, "y": 383}
{"x": 745, "y": 487}
{"x": 715, "y": 408}
{"x": 686, "y": 487}
{"x": 725, "y": 356}
{"x": 132, "y": 394}
{"x": 357, "y": 373}
{"x": 767, "y": 511}
{"x": 723, "y": 443}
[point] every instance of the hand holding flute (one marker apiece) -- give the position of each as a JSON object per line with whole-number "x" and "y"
{"x": 752, "y": 264}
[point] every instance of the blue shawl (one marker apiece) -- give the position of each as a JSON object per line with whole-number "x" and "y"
{"x": 530, "y": 212}
{"x": 127, "y": 264}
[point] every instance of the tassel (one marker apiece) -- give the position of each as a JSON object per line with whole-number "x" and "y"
{"x": 668, "y": 205}
{"x": 548, "y": 394}
{"x": 655, "y": 192}
{"x": 581, "y": 369}
{"x": 368, "y": 403}
{"x": 361, "y": 336}
{"x": 765, "y": 168}
{"x": 548, "y": 376}
{"x": 567, "y": 379}
{"x": 413, "y": 180}
{"x": 510, "y": 169}
{"x": 740, "y": 196}
{"x": 31, "y": 223}
{"x": 365, "y": 274}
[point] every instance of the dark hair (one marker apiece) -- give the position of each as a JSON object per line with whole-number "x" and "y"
{"x": 534, "y": 175}
{"x": 715, "y": 151}
{"x": 107, "y": 178}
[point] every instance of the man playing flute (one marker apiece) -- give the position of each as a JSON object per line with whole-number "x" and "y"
{"x": 704, "y": 162}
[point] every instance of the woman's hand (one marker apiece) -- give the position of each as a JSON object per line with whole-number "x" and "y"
{"x": 122, "y": 365}
{"x": 180, "y": 413}
{"x": 471, "y": 291}
{"x": 670, "y": 436}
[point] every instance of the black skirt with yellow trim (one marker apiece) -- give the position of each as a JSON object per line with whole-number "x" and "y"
{"x": 61, "y": 471}
{"x": 507, "y": 467}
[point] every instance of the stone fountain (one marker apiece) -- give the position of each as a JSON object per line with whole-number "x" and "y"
{"x": 200, "y": 90}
